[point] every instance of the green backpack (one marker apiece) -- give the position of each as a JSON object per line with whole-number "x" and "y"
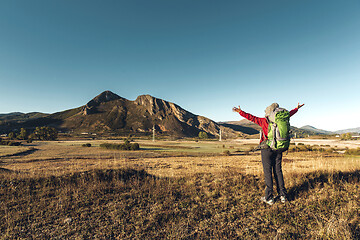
{"x": 279, "y": 129}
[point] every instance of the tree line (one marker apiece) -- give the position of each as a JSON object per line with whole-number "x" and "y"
{"x": 40, "y": 133}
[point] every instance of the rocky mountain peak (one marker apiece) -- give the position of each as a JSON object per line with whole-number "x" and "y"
{"x": 161, "y": 107}
{"x": 145, "y": 100}
{"x": 103, "y": 97}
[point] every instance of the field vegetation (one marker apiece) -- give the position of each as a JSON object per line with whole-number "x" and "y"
{"x": 123, "y": 146}
{"x": 174, "y": 190}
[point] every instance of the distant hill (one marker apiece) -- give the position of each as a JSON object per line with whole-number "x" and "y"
{"x": 316, "y": 131}
{"x": 18, "y": 116}
{"x": 15, "y": 120}
{"x": 244, "y": 126}
{"x": 110, "y": 113}
{"x": 251, "y": 128}
{"x": 351, "y": 130}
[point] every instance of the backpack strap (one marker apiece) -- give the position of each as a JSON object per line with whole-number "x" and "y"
{"x": 274, "y": 135}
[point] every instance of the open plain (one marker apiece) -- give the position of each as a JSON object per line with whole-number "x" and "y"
{"x": 174, "y": 190}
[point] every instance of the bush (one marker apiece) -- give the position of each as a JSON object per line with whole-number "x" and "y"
{"x": 302, "y": 148}
{"x": 86, "y": 145}
{"x": 125, "y": 146}
{"x": 329, "y": 150}
{"x": 353, "y": 151}
{"x": 227, "y": 153}
{"x": 14, "y": 143}
{"x": 10, "y": 143}
{"x": 135, "y": 146}
{"x": 346, "y": 136}
{"x": 203, "y": 135}
{"x": 11, "y": 136}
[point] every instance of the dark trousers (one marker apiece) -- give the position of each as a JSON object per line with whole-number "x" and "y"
{"x": 271, "y": 160}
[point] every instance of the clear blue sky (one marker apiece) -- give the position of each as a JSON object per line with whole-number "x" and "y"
{"x": 206, "y": 56}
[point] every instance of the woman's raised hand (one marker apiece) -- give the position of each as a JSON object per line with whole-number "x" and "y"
{"x": 236, "y": 109}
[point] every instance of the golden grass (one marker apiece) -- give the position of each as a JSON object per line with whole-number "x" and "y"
{"x": 130, "y": 204}
{"x": 10, "y": 150}
{"x": 63, "y": 190}
{"x": 67, "y": 156}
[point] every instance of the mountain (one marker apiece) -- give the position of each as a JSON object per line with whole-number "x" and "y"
{"x": 351, "y": 130}
{"x": 18, "y": 116}
{"x": 10, "y": 121}
{"x": 251, "y": 128}
{"x": 316, "y": 131}
{"x": 110, "y": 113}
{"x": 244, "y": 126}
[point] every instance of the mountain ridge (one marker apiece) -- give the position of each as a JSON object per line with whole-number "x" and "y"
{"x": 110, "y": 113}
{"x": 351, "y": 130}
{"x": 316, "y": 130}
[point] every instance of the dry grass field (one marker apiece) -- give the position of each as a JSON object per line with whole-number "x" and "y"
{"x": 173, "y": 190}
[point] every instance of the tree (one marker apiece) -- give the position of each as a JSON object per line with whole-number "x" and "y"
{"x": 23, "y": 134}
{"x": 45, "y": 133}
{"x": 203, "y": 135}
{"x": 346, "y": 136}
{"x": 11, "y": 136}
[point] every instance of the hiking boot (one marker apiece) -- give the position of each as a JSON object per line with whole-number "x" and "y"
{"x": 283, "y": 199}
{"x": 270, "y": 202}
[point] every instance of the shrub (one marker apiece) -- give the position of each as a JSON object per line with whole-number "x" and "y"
{"x": 302, "y": 148}
{"x": 125, "y": 146}
{"x": 329, "y": 150}
{"x": 135, "y": 146}
{"x": 353, "y": 151}
{"x": 14, "y": 143}
{"x": 11, "y": 136}
{"x": 227, "y": 153}
{"x": 203, "y": 135}
{"x": 86, "y": 145}
{"x": 346, "y": 136}
{"x": 3, "y": 142}
{"x": 10, "y": 143}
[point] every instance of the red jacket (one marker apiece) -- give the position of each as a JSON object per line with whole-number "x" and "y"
{"x": 262, "y": 122}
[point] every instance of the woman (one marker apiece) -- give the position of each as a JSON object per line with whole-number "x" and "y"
{"x": 271, "y": 159}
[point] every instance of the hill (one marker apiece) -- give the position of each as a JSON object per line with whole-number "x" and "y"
{"x": 110, "y": 113}
{"x": 18, "y": 116}
{"x": 251, "y": 128}
{"x": 16, "y": 120}
{"x": 351, "y": 130}
{"x": 244, "y": 126}
{"x": 315, "y": 131}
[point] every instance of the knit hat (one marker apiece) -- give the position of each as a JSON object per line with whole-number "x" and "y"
{"x": 270, "y": 109}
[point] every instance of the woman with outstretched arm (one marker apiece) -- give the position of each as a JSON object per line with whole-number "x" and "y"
{"x": 271, "y": 158}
